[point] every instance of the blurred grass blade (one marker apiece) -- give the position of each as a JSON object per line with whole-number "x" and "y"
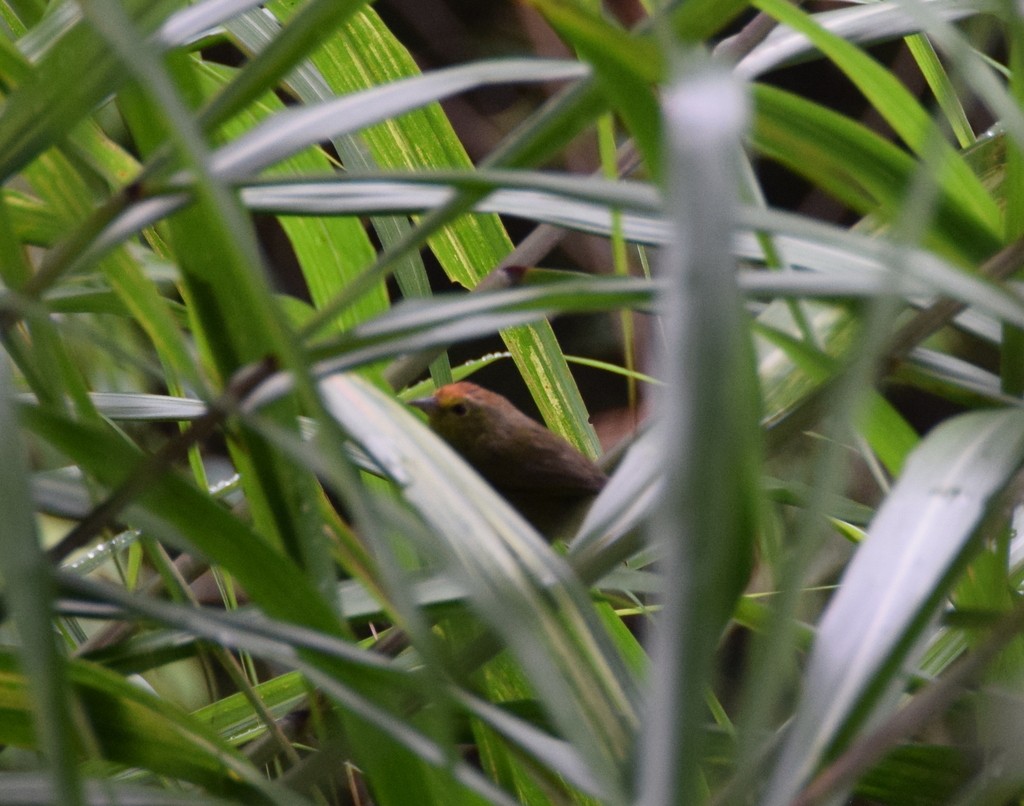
{"x": 865, "y": 24}
{"x": 313, "y": 23}
{"x": 916, "y": 543}
{"x": 626, "y": 67}
{"x": 290, "y": 131}
{"x": 152, "y": 408}
{"x": 28, "y": 591}
{"x": 708, "y": 427}
{"x": 32, "y": 789}
{"x": 183, "y": 26}
{"x": 355, "y": 192}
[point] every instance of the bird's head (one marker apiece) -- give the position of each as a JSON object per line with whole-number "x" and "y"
{"x": 539, "y": 473}
{"x": 462, "y": 413}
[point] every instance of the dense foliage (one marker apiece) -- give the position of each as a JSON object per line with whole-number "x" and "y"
{"x": 237, "y": 567}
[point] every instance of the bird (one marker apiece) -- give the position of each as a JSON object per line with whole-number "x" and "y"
{"x": 544, "y": 477}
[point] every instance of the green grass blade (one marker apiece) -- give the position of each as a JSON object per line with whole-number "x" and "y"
{"x": 28, "y": 590}
{"x": 915, "y": 545}
{"x": 704, "y": 525}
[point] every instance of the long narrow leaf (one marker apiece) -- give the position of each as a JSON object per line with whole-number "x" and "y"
{"x": 707, "y": 424}
{"x": 917, "y": 541}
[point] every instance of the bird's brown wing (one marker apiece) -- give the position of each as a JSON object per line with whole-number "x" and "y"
{"x": 556, "y": 470}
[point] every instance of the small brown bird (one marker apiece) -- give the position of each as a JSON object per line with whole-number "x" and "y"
{"x": 538, "y": 472}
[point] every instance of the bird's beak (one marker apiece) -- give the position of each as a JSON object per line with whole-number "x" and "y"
{"x": 427, "y": 405}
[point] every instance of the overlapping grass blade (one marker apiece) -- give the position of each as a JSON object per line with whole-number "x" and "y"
{"x": 916, "y": 544}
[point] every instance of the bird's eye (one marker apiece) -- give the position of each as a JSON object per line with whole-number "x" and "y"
{"x": 459, "y": 409}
